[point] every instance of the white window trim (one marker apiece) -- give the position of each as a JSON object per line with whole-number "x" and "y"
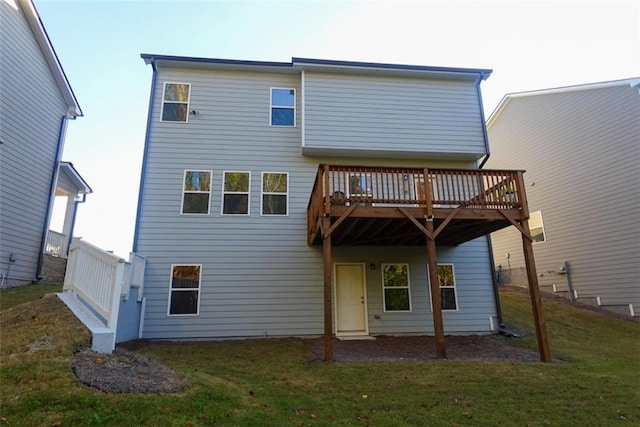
{"x": 544, "y": 233}
{"x": 248, "y": 193}
{"x": 184, "y": 176}
{"x": 199, "y": 289}
{"x": 271, "y": 107}
{"x": 262, "y": 193}
{"x": 408, "y": 287}
{"x": 455, "y": 288}
{"x": 164, "y": 88}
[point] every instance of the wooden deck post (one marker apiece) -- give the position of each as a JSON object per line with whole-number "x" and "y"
{"x": 436, "y": 297}
{"x": 532, "y": 275}
{"x": 432, "y": 262}
{"x": 534, "y": 294}
{"x": 328, "y": 303}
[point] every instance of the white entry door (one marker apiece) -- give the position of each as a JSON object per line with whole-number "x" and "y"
{"x": 351, "y": 304}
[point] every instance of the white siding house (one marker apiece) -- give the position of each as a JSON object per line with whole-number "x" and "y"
{"x": 36, "y": 102}
{"x": 241, "y": 155}
{"x": 580, "y": 146}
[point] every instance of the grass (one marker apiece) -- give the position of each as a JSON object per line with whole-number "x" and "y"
{"x": 270, "y": 383}
{"x": 22, "y": 294}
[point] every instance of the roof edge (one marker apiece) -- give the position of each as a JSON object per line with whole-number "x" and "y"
{"x": 79, "y": 180}
{"x": 631, "y": 82}
{"x": 37, "y": 27}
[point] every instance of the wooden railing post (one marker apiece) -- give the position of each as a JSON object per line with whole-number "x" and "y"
{"x": 325, "y": 190}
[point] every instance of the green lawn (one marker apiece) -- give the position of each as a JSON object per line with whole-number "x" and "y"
{"x": 270, "y": 383}
{"x": 22, "y": 294}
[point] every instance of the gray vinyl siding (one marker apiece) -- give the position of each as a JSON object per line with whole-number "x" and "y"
{"x": 581, "y": 152}
{"x": 31, "y": 108}
{"x": 259, "y": 277}
{"x": 392, "y": 116}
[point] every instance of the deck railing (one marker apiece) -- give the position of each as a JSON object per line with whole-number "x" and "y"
{"x": 413, "y": 187}
{"x": 55, "y": 243}
{"x": 102, "y": 279}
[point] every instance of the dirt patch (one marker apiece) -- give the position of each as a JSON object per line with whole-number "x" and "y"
{"x": 124, "y": 372}
{"x": 414, "y": 348}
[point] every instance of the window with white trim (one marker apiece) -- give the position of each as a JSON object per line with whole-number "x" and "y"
{"x": 447, "y": 285}
{"x": 275, "y": 193}
{"x": 283, "y": 107}
{"x": 196, "y": 192}
{"x": 184, "y": 290}
{"x": 235, "y": 193}
{"x": 395, "y": 287}
{"x": 175, "y": 102}
{"x": 536, "y": 227}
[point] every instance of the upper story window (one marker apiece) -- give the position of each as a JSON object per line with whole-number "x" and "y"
{"x": 536, "y": 227}
{"x": 283, "y": 107}
{"x": 196, "y": 192}
{"x": 175, "y": 102}
{"x": 395, "y": 285}
{"x": 275, "y": 193}
{"x": 235, "y": 193}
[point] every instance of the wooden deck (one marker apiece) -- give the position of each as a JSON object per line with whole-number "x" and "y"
{"x": 380, "y": 206}
{"x": 356, "y": 205}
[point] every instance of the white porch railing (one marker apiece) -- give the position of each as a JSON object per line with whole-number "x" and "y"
{"x": 55, "y": 243}
{"x": 102, "y": 279}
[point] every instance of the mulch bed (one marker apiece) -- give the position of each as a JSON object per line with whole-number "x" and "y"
{"x": 124, "y": 371}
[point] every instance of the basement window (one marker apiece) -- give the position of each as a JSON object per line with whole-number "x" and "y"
{"x": 395, "y": 285}
{"x": 447, "y": 285}
{"x": 184, "y": 292}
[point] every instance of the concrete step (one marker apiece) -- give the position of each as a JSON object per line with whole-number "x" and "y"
{"x": 102, "y": 338}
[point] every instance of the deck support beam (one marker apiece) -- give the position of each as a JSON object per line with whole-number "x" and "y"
{"x": 328, "y": 302}
{"x": 534, "y": 294}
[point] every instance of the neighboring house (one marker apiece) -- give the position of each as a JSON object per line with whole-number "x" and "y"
{"x": 36, "y": 103}
{"x": 580, "y": 146}
{"x": 304, "y": 198}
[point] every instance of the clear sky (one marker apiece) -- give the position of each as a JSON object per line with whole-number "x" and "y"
{"x": 529, "y": 45}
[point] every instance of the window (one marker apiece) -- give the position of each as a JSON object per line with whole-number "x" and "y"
{"x": 447, "y": 284}
{"x": 283, "y": 107}
{"x": 175, "y": 102}
{"x": 235, "y": 193}
{"x": 536, "y": 227}
{"x": 395, "y": 284}
{"x": 275, "y": 187}
{"x": 184, "y": 290}
{"x": 360, "y": 185}
{"x": 196, "y": 191}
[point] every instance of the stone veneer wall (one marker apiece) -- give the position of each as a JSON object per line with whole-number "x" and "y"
{"x": 53, "y": 269}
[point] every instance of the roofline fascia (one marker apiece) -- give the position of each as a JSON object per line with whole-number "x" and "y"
{"x": 42, "y": 37}
{"x": 299, "y": 64}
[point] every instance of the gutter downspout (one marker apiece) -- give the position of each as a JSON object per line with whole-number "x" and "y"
{"x": 494, "y": 276}
{"x": 52, "y": 193}
{"x": 144, "y": 156}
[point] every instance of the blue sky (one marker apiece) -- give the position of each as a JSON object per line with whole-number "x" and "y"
{"x": 529, "y": 45}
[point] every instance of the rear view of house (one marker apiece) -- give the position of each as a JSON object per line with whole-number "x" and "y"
{"x": 311, "y": 197}
{"x": 36, "y": 103}
{"x": 580, "y": 146}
